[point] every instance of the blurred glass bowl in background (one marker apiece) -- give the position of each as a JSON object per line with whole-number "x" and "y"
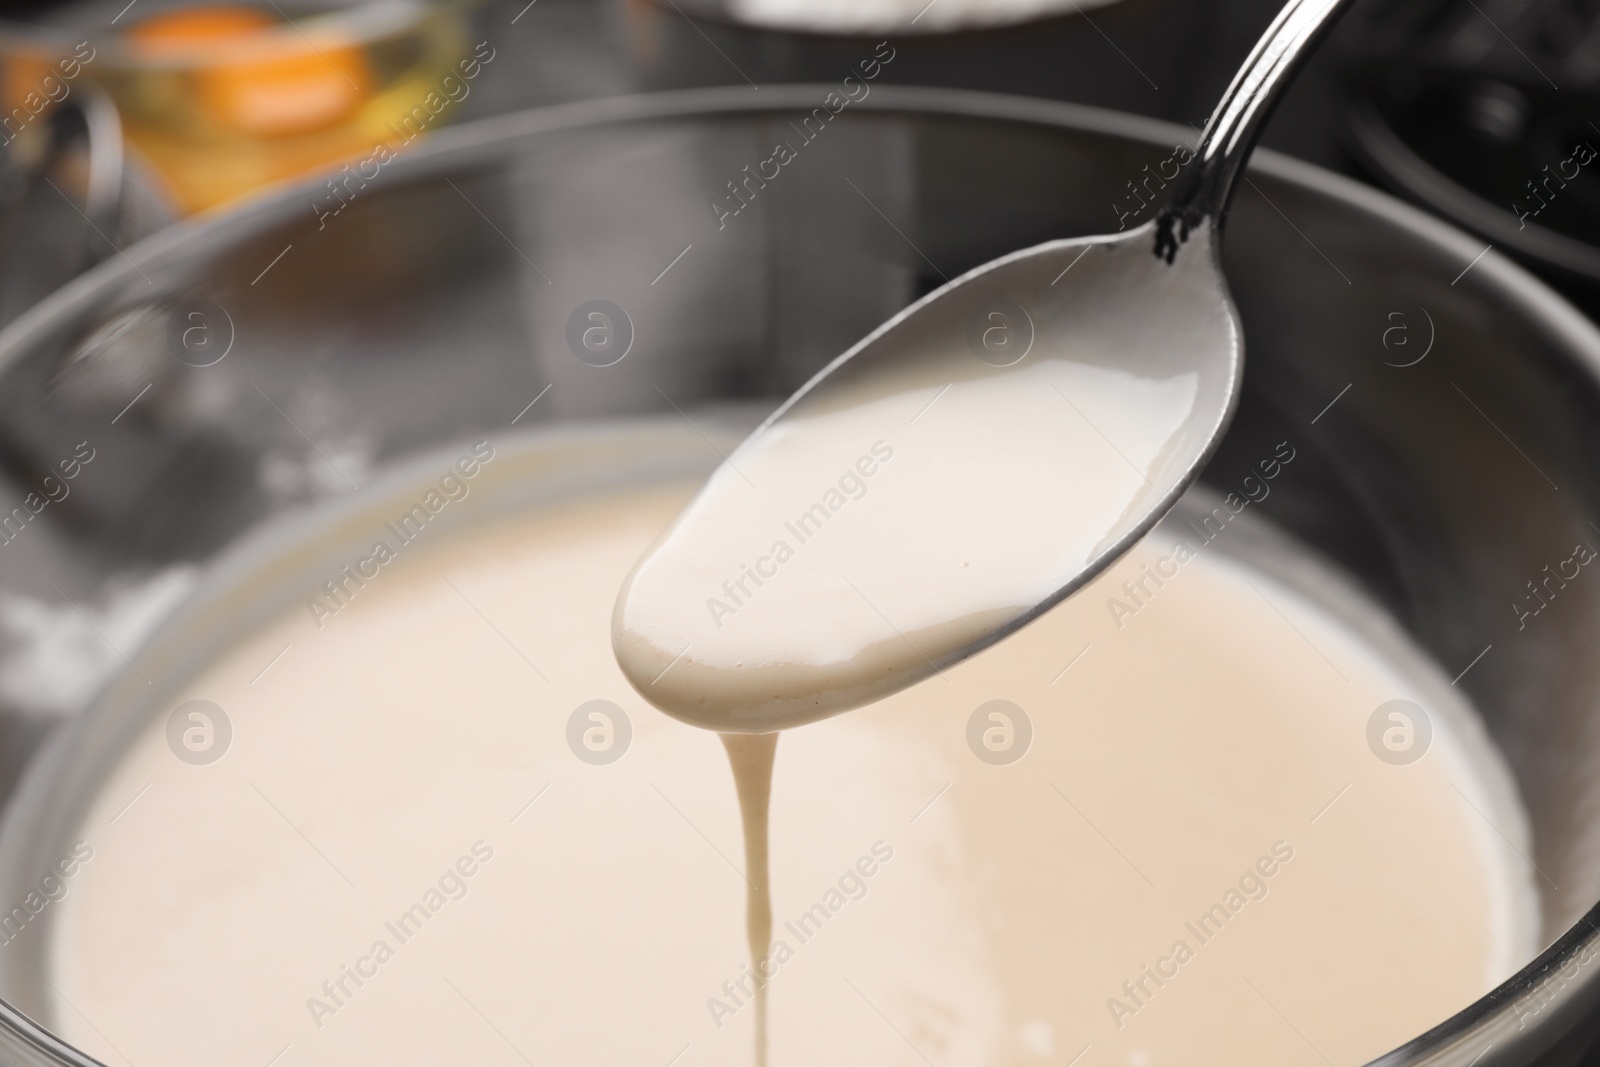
{"x": 222, "y": 98}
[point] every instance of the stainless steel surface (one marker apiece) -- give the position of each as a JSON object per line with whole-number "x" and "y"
{"x": 435, "y": 308}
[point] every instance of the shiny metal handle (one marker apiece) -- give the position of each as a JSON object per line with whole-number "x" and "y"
{"x": 1205, "y": 189}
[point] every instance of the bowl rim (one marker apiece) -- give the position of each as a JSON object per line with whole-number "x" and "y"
{"x": 1377, "y": 144}
{"x": 1556, "y": 978}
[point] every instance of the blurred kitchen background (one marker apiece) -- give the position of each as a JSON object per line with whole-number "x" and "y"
{"x": 122, "y": 117}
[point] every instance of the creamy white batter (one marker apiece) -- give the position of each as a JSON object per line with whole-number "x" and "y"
{"x": 929, "y": 906}
{"x": 863, "y": 543}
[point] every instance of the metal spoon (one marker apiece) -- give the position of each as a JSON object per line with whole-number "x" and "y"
{"x": 972, "y": 462}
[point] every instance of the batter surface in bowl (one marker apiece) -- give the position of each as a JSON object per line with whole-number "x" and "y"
{"x": 1171, "y": 840}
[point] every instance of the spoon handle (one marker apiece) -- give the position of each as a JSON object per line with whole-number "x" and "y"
{"x": 1206, "y": 187}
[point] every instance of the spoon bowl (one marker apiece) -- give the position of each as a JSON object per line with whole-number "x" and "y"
{"x": 1112, "y": 373}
